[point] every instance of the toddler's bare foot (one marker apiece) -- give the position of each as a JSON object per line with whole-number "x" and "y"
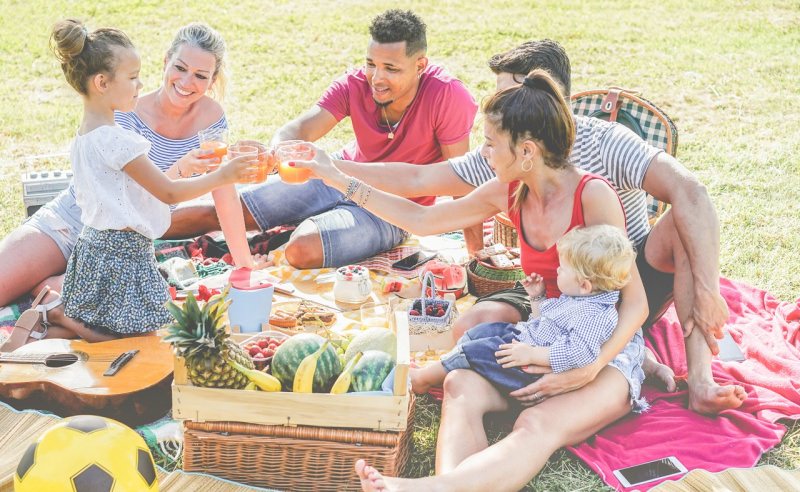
{"x": 658, "y": 371}
{"x": 419, "y": 385}
{"x": 711, "y": 398}
{"x": 425, "y": 378}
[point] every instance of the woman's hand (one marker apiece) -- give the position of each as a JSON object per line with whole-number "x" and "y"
{"x": 534, "y": 284}
{"x": 194, "y": 163}
{"x": 555, "y": 384}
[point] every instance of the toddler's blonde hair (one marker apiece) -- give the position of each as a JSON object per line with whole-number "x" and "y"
{"x": 601, "y": 254}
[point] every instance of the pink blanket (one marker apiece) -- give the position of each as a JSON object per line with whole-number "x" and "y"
{"x": 768, "y": 332}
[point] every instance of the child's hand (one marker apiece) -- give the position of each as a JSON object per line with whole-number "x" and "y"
{"x": 266, "y": 155}
{"x": 242, "y": 169}
{"x": 193, "y": 163}
{"x": 534, "y": 284}
{"x": 516, "y": 354}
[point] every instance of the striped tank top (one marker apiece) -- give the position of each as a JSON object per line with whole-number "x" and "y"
{"x": 163, "y": 151}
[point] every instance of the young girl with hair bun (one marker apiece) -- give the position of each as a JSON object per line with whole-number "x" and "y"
{"x": 112, "y": 286}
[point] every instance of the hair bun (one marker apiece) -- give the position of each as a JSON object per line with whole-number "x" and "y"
{"x": 68, "y": 39}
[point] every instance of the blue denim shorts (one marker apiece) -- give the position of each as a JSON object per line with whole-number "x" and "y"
{"x": 475, "y": 350}
{"x": 60, "y": 220}
{"x": 349, "y": 233}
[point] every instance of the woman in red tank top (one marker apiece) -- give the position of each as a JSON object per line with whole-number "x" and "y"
{"x": 529, "y": 131}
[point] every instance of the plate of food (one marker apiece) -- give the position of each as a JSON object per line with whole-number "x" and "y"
{"x": 292, "y": 317}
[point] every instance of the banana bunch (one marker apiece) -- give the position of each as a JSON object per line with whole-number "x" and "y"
{"x": 304, "y": 377}
{"x": 342, "y": 384}
{"x": 261, "y": 380}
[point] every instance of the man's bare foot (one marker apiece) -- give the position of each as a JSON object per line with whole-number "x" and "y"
{"x": 371, "y": 479}
{"x": 710, "y": 399}
{"x": 658, "y": 371}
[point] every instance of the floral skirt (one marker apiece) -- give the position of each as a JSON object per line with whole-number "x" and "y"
{"x": 112, "y": 283}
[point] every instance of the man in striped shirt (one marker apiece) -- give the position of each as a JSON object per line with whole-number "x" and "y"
{"x": 678, "y": 258}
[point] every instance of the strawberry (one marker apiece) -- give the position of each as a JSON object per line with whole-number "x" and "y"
{"x": 440, "y": 313}
{"x": 253, "y": 351}
{"x": 263, "y": 343}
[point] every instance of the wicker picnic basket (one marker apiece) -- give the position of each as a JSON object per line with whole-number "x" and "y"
{"x": 297, "y": 458}
{"x": 504, "y": 231}
{"x": 423, "y": 323}
{"x": 485, "y": 279}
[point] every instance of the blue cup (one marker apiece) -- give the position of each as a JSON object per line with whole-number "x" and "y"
{"x": 250, "y": 304}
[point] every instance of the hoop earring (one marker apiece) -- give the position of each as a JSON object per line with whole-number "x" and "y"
{"x": 529, "y": 161}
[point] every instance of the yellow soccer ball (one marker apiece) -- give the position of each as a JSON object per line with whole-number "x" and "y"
{"x": 87, "y": 453}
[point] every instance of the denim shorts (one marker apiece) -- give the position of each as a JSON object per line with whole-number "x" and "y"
{"x": 475, "y": 350}
{"x": 60, "y": 220}
{"x": 349, "y": 233}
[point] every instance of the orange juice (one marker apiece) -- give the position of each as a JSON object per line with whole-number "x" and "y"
{"x": 214, "y": 148}
{"x": 293, "y": 175}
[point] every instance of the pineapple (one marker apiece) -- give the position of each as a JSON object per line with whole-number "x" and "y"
{"x": 198, "y": 335}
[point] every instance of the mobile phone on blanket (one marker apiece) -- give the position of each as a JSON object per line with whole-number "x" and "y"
{"x": 650, "y": 471}
{"x": 413, "y": 260}
{"x": 729, "y": 351}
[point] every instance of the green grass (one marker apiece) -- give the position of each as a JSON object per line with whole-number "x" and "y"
{"x": 726, "y": 71}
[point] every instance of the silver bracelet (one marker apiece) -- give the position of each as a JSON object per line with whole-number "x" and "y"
{"x": 538, "y": 298}
{"x": 352, "y": 187}
{"x": 365, "y": 196}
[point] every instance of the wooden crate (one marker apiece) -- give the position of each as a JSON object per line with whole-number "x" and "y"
{"x": 381, "y": 413}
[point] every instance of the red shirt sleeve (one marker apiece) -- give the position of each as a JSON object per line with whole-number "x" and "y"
{"x": 336, "y": 98}
{"x": 456, "y": 111}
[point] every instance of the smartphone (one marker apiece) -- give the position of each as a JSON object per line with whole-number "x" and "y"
{"x": 729, "y": 351}
{"x": 650, "y": 471}
{"x": 413, "y": 260}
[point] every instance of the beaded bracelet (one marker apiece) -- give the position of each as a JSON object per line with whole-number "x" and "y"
{"x": 352, "y": 187}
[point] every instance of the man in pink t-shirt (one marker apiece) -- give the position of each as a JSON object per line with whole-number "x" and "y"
{"x": 402, "y": 109}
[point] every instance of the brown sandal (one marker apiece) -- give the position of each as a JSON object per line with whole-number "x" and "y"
{"x": 25, "y": 329}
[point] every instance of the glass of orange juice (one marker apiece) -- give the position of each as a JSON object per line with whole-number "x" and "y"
{"x": 239, "y": 150}
{"x": 214, "y": 143}
{"x": 266, "y": 162}
{"x": 290, "y": 151}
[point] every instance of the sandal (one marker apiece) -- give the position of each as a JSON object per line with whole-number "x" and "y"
{"x": 25, "y": 329}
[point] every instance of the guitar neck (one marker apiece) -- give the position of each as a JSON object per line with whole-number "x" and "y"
{"x": 23, "y": 358}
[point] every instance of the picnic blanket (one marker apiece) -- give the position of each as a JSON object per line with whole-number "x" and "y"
{"x": 768, "y": 332}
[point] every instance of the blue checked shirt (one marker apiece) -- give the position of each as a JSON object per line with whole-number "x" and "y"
{"x": 573, "y": 327}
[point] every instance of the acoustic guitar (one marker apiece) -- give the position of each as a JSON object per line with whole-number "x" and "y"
{"x": 66, "y": 377}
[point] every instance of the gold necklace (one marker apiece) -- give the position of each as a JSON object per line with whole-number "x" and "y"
{"x": 392, "y": 128}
